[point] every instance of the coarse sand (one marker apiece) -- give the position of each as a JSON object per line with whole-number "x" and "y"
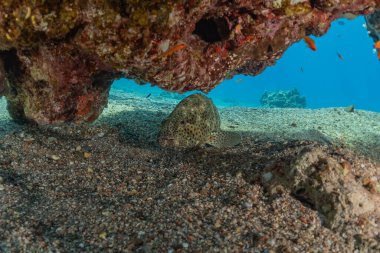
{"x": 108, "y": 186}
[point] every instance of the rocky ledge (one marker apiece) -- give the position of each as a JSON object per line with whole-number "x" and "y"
{"x": 59, "y": 58}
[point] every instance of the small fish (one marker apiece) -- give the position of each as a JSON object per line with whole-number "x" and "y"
{"x": 310, "y": 42}
{"x": 340, "y": 22}
{"x": 377, "y": 45}
{"x": 173, "y": 50}
{"x": 301, "y": 69}
{"x": 148, "y": 95}
{"x": 340, "y": 56}
{"x": 240, "y": 80}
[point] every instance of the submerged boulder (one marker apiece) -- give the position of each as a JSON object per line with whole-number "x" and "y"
{"x": 60, "y": 59}
{"x": 327, "y": 185}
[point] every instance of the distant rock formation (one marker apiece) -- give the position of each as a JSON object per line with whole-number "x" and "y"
{"x": 283, "y": 99}
{"x": 60, "y": 59}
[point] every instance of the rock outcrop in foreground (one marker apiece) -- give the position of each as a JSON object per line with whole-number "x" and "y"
{"x": 58, "y": 59}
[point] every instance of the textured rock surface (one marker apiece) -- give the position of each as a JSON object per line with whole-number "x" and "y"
{"x": 327, "y": 185}
{"x": 283, "y": 99}
{"x": 60, "y": 57}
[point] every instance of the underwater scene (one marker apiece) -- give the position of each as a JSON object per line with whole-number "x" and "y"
{"x": 190, "y": 126}
{"x": 342, "y": 72}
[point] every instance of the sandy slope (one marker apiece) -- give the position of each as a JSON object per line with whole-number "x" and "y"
{"x": 359, "y": 131}
{"x": 109, "y": 188}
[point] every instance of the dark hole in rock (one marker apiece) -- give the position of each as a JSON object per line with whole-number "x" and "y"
{"x": 212, "y": 30}
{"x": 103, "y": 79}
{"x": 270, "y": 49}
{"x": 300, "y": 195}
{"x": 12, "y": 65}
{"x": 249, "y": 12}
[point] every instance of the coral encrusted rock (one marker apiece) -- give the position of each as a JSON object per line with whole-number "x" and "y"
{"x": 283, "y": 99}
{"x": 60, "y": 57}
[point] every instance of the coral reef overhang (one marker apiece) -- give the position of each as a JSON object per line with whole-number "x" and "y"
{"x": 59, "y": 58}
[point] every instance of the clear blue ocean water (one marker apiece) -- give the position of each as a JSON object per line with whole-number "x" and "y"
{"x": 322, "y": 77}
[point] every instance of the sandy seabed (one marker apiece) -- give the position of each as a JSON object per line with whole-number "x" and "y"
{"x": 108, "y": 187}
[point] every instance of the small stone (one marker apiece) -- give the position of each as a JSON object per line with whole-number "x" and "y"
{"x": 29, "y": 139}
{"x": 55, "y": 157}
{"x": 267, "y": 176}
{"x": 100, "y": 135}
{"x": 247, "y": 204}
{"x": 59, "y": 231}
{"x": 78, "y": 148}
{"x": 141, "y": 234}
{"x": 217, "y": 224}
{"x": 52, "y": 139}
{"x": 185, "y": 245}
{"x": 86, "y": 154}
{"x": 2, "y": 187}
{"x": 272, "y": 242}
{"x": 133, "y": 192}
{"x": 103, "y": 235}
{"x": 350, "y": 108}
{"x": 1, "y": 179}
{"x": 90, "y": 170}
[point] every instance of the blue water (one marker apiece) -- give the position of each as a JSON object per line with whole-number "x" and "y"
{"x": 325, "y": 80}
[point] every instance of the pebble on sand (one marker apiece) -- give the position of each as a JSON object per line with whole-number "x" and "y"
{"x": 55, "y": 157}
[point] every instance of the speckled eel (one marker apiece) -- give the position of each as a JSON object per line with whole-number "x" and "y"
{"x": 195, "y": 122}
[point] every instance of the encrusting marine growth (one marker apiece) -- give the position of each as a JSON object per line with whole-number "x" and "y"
{"x": 60, "y": 59}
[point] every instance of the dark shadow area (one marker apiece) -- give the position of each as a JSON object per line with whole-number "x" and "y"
{"x": 212, "y": 30}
